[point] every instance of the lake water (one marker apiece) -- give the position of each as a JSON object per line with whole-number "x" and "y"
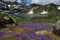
{"x": 31, "y": 15}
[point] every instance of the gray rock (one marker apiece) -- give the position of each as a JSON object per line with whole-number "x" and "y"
{"x": 58, "y": 24}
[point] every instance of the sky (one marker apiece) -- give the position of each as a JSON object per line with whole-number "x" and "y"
{"x": 42, "y": 2}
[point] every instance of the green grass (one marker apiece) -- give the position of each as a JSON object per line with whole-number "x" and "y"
{"x": 51, "y": 20}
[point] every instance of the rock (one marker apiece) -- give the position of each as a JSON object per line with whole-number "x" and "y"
{"x": 58, "y": 24}
{"x": 6, "y": 21}
{"x": 43, "y": 32}
{"x": 56, "y": 28}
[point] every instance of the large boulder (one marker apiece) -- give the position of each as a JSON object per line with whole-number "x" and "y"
{"x": 56, "y": 28}
{"x": 58, "y": 24}
{"x": 6, "y": 19}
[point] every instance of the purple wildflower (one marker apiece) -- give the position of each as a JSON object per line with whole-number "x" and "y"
{"x": 1, "y": 34}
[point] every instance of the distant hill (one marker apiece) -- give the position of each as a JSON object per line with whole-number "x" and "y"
{"x": 49, "y": 7}
{"x": 34, "y": 5}
{"x": 52, "y": 4}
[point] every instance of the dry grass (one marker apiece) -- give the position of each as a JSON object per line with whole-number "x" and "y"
{"x": 17, "y": 30}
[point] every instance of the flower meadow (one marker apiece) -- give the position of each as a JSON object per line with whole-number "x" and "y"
{"x": 30, "y": 30}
